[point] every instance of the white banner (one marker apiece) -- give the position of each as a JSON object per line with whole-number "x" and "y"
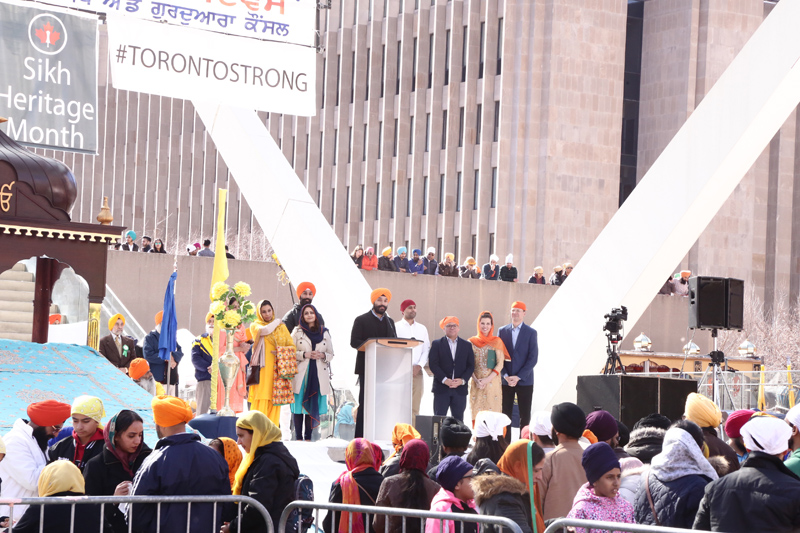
{"x": 198, "y": 65}
{"x": 288, "y": 21}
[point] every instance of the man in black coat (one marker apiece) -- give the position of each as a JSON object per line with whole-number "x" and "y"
{"x": 305, "y": 293}
{"x": 452, "y": 362}
{"x": 373, "y": 324}
{"x": 158, "y": 366}
{"x": 763, "y": 495}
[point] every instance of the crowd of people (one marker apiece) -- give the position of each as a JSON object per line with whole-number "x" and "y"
{"x": 566, "y": 464}
{"x": 157, "y": 246}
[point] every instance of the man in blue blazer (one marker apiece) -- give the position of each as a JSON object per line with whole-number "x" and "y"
{"x": 523, "y": 347}
{"x": 452, "y": 362}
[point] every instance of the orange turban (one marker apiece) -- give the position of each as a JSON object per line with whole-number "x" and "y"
{"x": 377, "y": 293}
{"x": 401, "y": 435}
{"x": 139, "y": 367}
{"x": 49, "y": 413}
{"x": 55, "y": 318}
{"x": 159, "y": 316}
{"x": 170, "y": 411}
{"x": 519, "y": 305}
{"x": 306, "y": 285}
{"x": 448, "y": 320}
{"x": 113, "y": 320}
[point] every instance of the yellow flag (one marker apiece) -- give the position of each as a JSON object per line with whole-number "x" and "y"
{"x": 220, "y": 273}
{"x": 762, "y": 402}
{"x": 791, "y": 386}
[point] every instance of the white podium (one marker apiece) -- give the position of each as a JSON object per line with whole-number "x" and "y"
{"x": 387, "y": 385}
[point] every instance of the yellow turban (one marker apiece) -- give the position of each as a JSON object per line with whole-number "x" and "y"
{"x": 113, "y": 320}
{"x": 377, "y": 293}
{"x": 449, "y": 256}
{"x": 470, "y": 261}
{"x": 702, "y": 411}
{"x": 387, "y": 251}
{"x": 90, "y": 406}
{"x": 170, "y": 411}
{"x": 264, "y": 432}
{"x": 60, "y": 476}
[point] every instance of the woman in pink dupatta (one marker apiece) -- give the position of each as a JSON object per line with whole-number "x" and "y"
{"x": 358, "y": 485}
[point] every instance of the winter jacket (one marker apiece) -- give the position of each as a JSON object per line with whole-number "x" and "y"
{"x": 491, "y": 273}
{"x": 269, "y": 480}
{"x": 386, "y": 264}
{"x": 102, "y": 475}
{"x": 508, "y": 274}
{"x": 450, "y": 271}
{"x": 645, "y": 443}
{"x": 158, "y": 365}
{"x": 629, "y": 485}
{"x": 431, "y": 266}
{"x": 292, "y": 317}
{"x": 20, "y": 470}
{"x": 676, "y": 501}
{"x": 416, "y": 268}
{"x": 446, "y": 502}
{"x": 589, "y": 506}
{"x": 57, "y": 518}
{"x": 469, "y": 273}
{"x": 763, "y": 495}
{"x": 303, "y": 346}
{"x": 369, "y": 263}
{"x": 369, "y": 482}
{"x": 501, "y": 495}
{"x": 718, "y": 448}
{"x": 65, "y": 449}
{"x": 390, "y": 495}
{"x": 201, "y": 359}
{"x": 540, "y": 281}
{"x": 180, "y": 465}
{"x": 401, "y": 263}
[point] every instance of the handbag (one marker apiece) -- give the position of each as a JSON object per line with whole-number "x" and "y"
{"x": 286, "y": 362}
{"x": 253, "y": 375}
{"x": 282, "y": 393}
{"x": 650, "y": 501}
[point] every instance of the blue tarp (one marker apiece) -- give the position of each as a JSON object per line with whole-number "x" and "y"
{"x": 32, "y": 372}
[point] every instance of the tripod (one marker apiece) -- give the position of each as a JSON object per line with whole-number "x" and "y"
{"x": 717, "y": 357}
{"x": 613, "y": 355}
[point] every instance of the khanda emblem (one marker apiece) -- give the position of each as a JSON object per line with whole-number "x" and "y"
{"x": 5, "y": 196}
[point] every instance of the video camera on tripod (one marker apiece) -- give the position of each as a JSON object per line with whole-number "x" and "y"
{"x": 614, "y": 333}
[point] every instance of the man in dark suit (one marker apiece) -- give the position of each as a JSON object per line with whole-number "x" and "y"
{"x": 452, "y": 362}
{"x": 117, "y": 348}
{"x": 523, "y": 347}
{"x": 158, "y": 366}
{"x": 375, "y": 323}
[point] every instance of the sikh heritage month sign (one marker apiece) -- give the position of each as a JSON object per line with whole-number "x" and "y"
{"x": 48, "y": 85}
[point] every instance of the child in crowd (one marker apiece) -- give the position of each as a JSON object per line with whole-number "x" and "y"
{"x": 454, "y": 474}
{"x": 599, "y": 499}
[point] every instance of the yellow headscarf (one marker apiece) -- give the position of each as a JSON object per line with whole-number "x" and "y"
{"x": 113, "y": 320}
{"x": 60, "y": 476}
{"x": 90, "y": 406}
{"x": 401, "y": 435}
{"x": 702, "y": 411}
{"x": 264, "y": 432}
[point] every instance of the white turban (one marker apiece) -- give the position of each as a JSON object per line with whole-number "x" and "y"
{"x": 766, "y": 434}
{"x": 541, "y": 424}
{"x": 793, "y": 416}
{"x": 491, "y": 424}
{"x": 509, "y": 258}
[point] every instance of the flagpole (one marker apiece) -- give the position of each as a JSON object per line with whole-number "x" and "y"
{"x": 174, "y": 292}
{"x": 220, "y": 273}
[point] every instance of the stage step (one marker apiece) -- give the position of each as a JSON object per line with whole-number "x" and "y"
{"x": 19, "y": 267}
{"x": 16, "y": 303}
{"x": 9, "y": 305}
{"x": 16, "y": 275}
{"x": 16, "y": 296}
{"x": 16, "y": 336}
{"x": 16, "y": 317}
{"x": 15, "y": 327}
{"x": 13, "y": 285}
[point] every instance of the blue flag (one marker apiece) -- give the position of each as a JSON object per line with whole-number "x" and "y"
{"x": 168, "y": 341}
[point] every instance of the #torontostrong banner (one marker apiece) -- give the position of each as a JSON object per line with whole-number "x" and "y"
{"x": 48, "y": 87}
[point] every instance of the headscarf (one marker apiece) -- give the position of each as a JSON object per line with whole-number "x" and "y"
{"x": 113, "y": 320}
{"x": 61, "y": 476}
{"x": 680, "y": 456}
{"x": 401, "y": 434}
{"x": 233, "y": 456}
{"x": 170, "y": 411}
{"x": 490, "y": 340}
{"x": 49, "y": 413}
{"x": 415, "y": 456}
{"x": 702, "y": 411}
{"x": 259, "y": 320}
{"x": 358, "y": 457}
{"x": 264, "y": 432}
{"x": 139, "y": 367}
{"x": 125, "y": 458}
{"x": 377, "y": 453}
{"x": 514, "y": 463}
{"x": 311, "y": 392}
{"x": 90, "y": 406}
{"x": 491, "y": 424}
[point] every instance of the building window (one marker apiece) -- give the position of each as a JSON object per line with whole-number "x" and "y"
{"x": 347, "y": 206}
{"x": 385, "y": 8}
{"x": 444, "y": 129}
{"x": 428, "y": 132}
{"x": 494, "y": 187}
{"x": 474, "y": 246}
{"x": 483, "y": 45}
{"x": 341, "y": 14}
{"x": 458, "y": 192}
{"x": 430, "y": 62}
{"x": 380, "y": 139}
{"x": 394, "y": 198}
{"x": 396, "y": 131}
{"x": 496, "y": 133}
{"x": 399, "y": 56}
{"x": 377, "y": 202}
{"x": 411, "y": 136}
{"x": 499, "y": 46}
{"x": 422, "y": 245}
{"x": 363, "y": 205}
{"x": 294, "y": 146}
{"x": 335, "y": 145}
{"x": 447, "y": 57}
{"x": 441, "y": 194}
{"x": 408, "y": 199}
{"x": 478, "y": 124}
{"x": 364, "y": 149}
{"x": 338, "y": 74}
{"x": 461, "y": 127}
{"x": 383, "y": 66}
{"x": 464, "y": 55}
{"x": 414, "y": 67}
{"x": 350, "y": 146}
{"x": 425, "y": 195}
{"x": 491, "y": 243}
{"x": 476, "y": 189}
{"x": 353, "y": 79}
{"x": 369, "y": 60}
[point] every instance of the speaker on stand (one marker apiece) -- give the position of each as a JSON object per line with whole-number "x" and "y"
{"x": 428, "y": 427}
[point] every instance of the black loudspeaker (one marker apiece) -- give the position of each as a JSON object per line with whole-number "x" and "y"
{"x": 631, "y": 397}
{"x": 428, "y": 427}
{"x": 716, "y": 303}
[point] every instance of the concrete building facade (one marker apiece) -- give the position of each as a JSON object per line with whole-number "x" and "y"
{"x": 473, "y": 126}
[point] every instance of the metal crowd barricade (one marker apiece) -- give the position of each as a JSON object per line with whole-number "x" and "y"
{"x": 370, "y": 511}
{"x": 217, "y": 501}
{"x": 562, "y": 524}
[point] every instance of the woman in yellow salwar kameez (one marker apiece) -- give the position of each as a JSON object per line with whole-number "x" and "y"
{"x": 268, "y": 333}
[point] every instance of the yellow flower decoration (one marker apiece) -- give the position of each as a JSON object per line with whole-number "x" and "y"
{"x": 217, "y": 308}
{"x": 231, "y": 319}
{"x": 219, "y": 289}
{"x": 242, "y": 289}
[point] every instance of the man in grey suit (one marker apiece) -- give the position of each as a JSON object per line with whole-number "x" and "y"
{"x": 523, "y": 347}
